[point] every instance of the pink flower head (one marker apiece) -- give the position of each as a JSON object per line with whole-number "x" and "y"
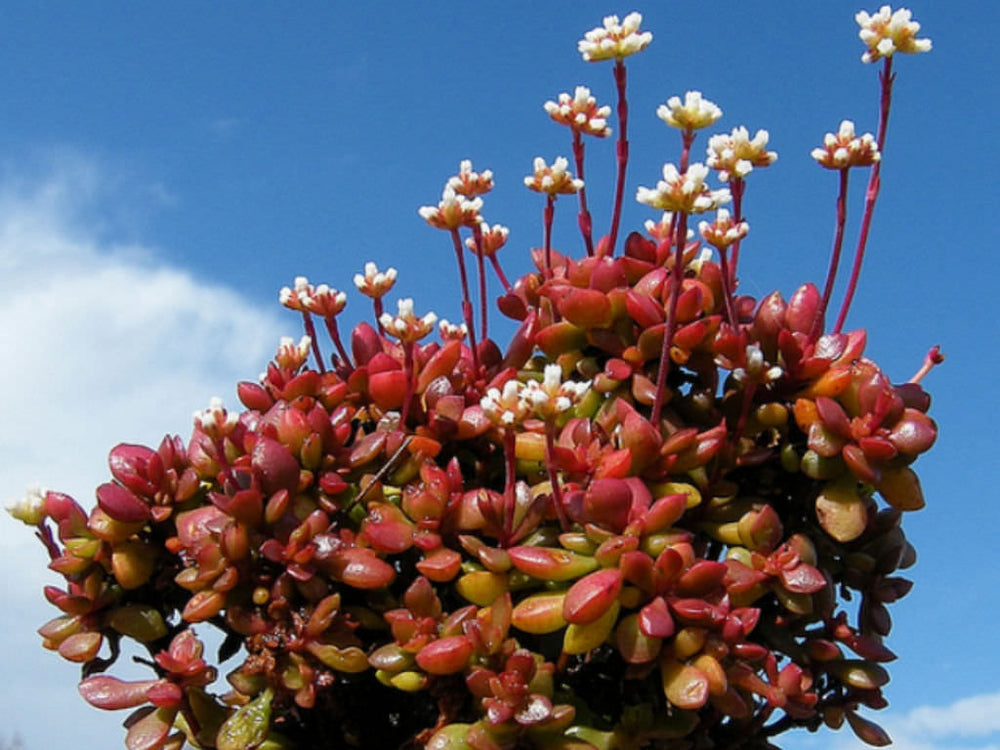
{"x": 292, "y": 356}
{"x": 453, "y": 211}
{"x": 723, "y": 232}
{"x": 493, "y": 238}
{"x": 324, "y": 301}
{"x": 554, "y": 180}
{"x": 292, "y": 297}
{"x": 887, "y": 32}
{"x": 844, "y": 149}
{"x": 736, "y": 154}
{"x": 451, "y": 332}
{"x": 614, "y": 40}
{"x": 580, "y": 112}
{"x": 686, "y": 192}
{"x": 375, "y": 283}
{"x": 215, "y": 421}
{"x": 469, "y": 183}
{"x": 405, "y": 325}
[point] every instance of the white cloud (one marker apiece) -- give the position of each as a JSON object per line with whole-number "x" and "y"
{"x": 102, "y": 343}
{"x": 971, "y": 723}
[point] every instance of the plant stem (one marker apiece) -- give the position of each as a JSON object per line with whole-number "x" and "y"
{"x": 379, "y": 309}
{"x": 334, "y": 331}
{"x": 838, "y": 243}
{"x": 886, "y": 78}
{"x": 583, "y": 218}
{"x": 727, "y": 290}
{"x": 622, "y": 153}
{"x": 676, "y": 273}
{"x": 500, "y": 274}
{"x": 687, "y": 138}
{"x": 932, "y": 358}
{"x": 547, "y": 219}
{"x": 408, "y": 369}
{"x": 477, "y": 238}
{"x": 550, "y": 463}
{"x": 510, "y": 501}
{"x": 466, "y": 304}
{"x": 311, "y": 333}
{"x": 736, "y": 188}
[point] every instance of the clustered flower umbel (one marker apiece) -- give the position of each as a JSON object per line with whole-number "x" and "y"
{"x": 492, "y": 238}
{"x": 554, "y": 180}
{"x": 614, "y": 40}
{"x": 405, "y": 325}
{"x": 453, "y": 211}
{"x": 215, "y": 421}
{"x": 686, "y": 192}
{"x": 844, "y": 149}
{"x": 887, "y": 32}
{"x": 375, "y": 283}
{"x": 544, "y": 400}
{"x": 293, "y": 297}
{"x": 735, "y": 155}
{"x": 580, "y": 112}
{"x": 693, "y": 113}
{"x": 724, "y": 231}
{"x": 470, "y": 183}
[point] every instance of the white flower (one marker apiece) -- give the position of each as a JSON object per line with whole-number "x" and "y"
{"x": 492, "y": 238}
{"x": 469, "y": 183}
{"x": 324, "y": 301}
{"x": 452, "y": 332}
{"x": 292, "y": 297}
{"x": 30, "y": 510}
{"x": 686, "y": 192}
{"x": 723, "y": 232}
{"x": 453, "y": 211}
{"x": 691, "y": 114}
{"x": 375, "y": 283}
{"x": 845, "y": 149}
{"x": 614, "y": 40}
{"x": 292, "y": 356}
{"x": 887, "y": 32}
{"x": 580, "y": 112}
{"x": 215, "y": 421}
{"x": 506, "y": 407}
{"x": 552, "y": 396}
{"x": 554, "y": 180}
{"x": 406, "y": 326}
{"x": 736, "y": 154}
{"x": 756, "y": 368}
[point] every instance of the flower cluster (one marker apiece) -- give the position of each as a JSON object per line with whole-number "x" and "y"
{"x": 664, "y": 514}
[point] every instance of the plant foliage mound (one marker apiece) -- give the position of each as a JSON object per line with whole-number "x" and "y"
{"x": 664, "y": 515}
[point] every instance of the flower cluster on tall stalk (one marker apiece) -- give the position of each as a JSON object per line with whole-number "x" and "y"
{"x": 665, "y": 515}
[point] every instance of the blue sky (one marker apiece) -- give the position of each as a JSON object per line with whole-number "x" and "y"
{"x": 165, "y": 169}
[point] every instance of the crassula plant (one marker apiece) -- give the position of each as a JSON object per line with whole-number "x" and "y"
{"x": 663, "y": 515}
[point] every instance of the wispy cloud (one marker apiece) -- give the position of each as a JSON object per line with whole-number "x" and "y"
{"x": 971, "y": 723}
{"x": 102, "y": 343}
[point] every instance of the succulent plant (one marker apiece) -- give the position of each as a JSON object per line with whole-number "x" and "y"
{"x": 666, "y": 515}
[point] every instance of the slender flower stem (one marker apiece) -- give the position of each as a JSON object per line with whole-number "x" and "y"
{"x": 500, "y": 274}
{"x": 687, "y": 138}
{"x": 334, "y": 331}
{"x": 622, "y": 152}
{"x": 676, "y": 273}
{"x": 477, "y": 238}
{"x": 583, "y": 218}
{"x": 379, "y": 309}
{"x": 557, "y": 496}
{"x": 466, "y": 304}
{"x": 408, "y": 369}
{"x": 510, "y": 499}
{"x": 547, "y": 217}
{"x": 727, "y": 290}
{"x": 933, "y": 357}
{"x": 838, "y": 243}
{"x": 736, "y": 188}
{"x": 311, "y": 333}
{"x": 886, "y": 78}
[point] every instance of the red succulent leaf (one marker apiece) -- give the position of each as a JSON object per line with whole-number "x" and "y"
{"x": 802, "y": 579}
{"x": 111, "y": 694}
{"x": 360, "y": 568}
{"x": 655, "y": 620}
{"x": 592, "y": 596}
{"x": 128, "y": 464}
{"x": 148, "y": 728}
{"x": 701, "y": 578}
{"x": 122, "y": 504}
{"x": 445, "y": 655}
{"x": 275, "y": 465}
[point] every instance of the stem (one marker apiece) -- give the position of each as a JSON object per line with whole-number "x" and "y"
{"x": 886, "y": 78}
{"x": 331, "y": 328}
{"x": 510, "y": 501}
{"x": 466, "y": 304}
{"x": 557, "y": 496}
{"x": 838, "y": 242}
{"x": 668, "y": 336}
{"x": 583, "y": 218}
{"x": 737, "y": 186}
{"x": 547, "y": 218}
{"x": 622, "y": 152}
{"x": 687, "y": 138}
{"x": 932, "y": 358}
{"x": 379, "y": 309}
{"x": 311, "y": 333}
{"x": 500, "y": 274}
{"x": 727, "y": 291}
{"x": 378, "y": 477}
{"x": 477, "y": 238}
